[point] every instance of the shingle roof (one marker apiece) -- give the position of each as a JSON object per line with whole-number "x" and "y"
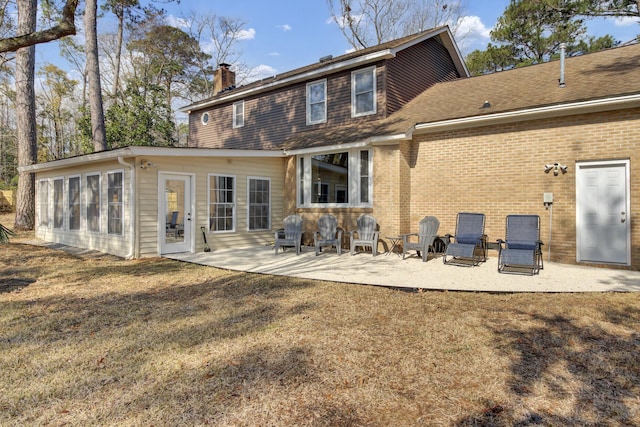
{"x": 606, "y": 74}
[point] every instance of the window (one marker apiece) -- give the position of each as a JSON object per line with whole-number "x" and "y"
{"x": 58, "y": 203}
{"x": 222, "y": 207}
{"x": 363, "y": 92}
{"x": 337, "y": 179}
{"x": 317, "y": 102}
{"x": 205, "y": 118}
{"x": 93, "y": 203}
{"x": 115, "y": 207}
{"x": 43, "y": 203}
{"x": 73, "y": 202}
{"x": 259, "y": 198}
{"x": 238, "y": 114}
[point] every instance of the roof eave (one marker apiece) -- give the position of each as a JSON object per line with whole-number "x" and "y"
{"x": 148, "y": 151}
{"x": 560, "y": 110}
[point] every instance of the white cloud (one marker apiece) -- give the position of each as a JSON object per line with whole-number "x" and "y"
{"x": 260, "y": 72}
{"x": 284, "y": 27}
{"x": 471, "y": 33}
{"x": 274, "y": 53}
{"x": 249, "y": 34}
{"x": 342, "y": 21}
{"x": 626, "y": 21}
{"x": 177, "y": 22}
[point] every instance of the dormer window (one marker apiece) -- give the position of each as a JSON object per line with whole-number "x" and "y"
{"x": 238, "y": 114}
{"x": 317, "y": 102}
{"x": 363, "y": 92}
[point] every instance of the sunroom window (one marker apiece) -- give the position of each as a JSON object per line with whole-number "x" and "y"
{"x": 340, "y": 179}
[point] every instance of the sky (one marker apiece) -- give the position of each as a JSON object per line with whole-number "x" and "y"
{"x": 282, "y": 35}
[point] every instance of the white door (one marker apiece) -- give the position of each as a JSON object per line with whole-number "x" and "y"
{"x": 602, "y": 212}
{"x": 174, "y": 213}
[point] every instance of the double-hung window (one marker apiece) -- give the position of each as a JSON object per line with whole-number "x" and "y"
{"x": 58, "y": 203}
{"x": 93, "y": 203}
{"x": 363, "y": 92}
{"x": 222, "y": 206}
{"x": 73, "y": 202}
{"x": 341, "y": 179}
{"x": 317, "y": 102}
{"x": 238, "y": 114}
{"x": 115, "y": 203}
{"x": 259, "y": 198}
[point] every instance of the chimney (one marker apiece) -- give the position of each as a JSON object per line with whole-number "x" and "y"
{"x": 563, "y": 47}
{"x": 223, "y": 78}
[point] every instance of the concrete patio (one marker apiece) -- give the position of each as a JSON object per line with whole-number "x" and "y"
{"x": 391, "y": 270}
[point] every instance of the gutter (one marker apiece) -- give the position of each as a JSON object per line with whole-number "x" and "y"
{"x": 562, "y": 110}
{"x": 132, "y": 217}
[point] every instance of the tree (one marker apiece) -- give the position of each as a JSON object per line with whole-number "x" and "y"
{"x": 98, "y": 133}
{"x": 530, "y": 32}
{"x": 598, "y": 8}
{"x": 65, "y": 27}
{"x": 367, "y": 23}
{"x": 26, "y": 117}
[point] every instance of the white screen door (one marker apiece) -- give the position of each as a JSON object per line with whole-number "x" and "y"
{"x": 174, "y": 213}
{"x": 602, "y": 212}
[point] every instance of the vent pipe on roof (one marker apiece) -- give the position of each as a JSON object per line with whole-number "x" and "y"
{"x": 563, "y": 48}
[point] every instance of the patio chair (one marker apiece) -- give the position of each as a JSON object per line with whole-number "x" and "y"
{"x": 521, "y": 251}
{"x": 328, "y": 234}
{"x": 427, "y": 233}
{"x": 291, "y": 235}
{"x": 469, "y": 245}
{"x": 366, "y": 234}
{"x": 172, "y": 225}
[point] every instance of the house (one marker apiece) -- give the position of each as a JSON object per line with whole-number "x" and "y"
{"x": 398, "y": 130}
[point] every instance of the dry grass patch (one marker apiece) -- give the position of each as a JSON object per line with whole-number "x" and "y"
{"x": 104, "y": 341}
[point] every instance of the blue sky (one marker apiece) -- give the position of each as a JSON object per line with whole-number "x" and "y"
{"x": 286, "y": 34}
{"x": 282, "y": 35}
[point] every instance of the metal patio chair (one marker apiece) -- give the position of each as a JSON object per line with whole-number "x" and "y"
{"x": 366, "y": 235}
{"x": 521, "y": 251}
{"x": 328, "y": 234}
{"x": 291, "y": 235}
{"x": 469, "y": 245}
{"x": 427, "y": 233}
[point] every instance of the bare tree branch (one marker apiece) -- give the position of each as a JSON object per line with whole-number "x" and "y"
{"x": 66, "y": 27}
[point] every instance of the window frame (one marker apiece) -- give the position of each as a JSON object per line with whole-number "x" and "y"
{"x": 305, "y": 186}
{"x": 249, "y": 204}
{"x": 120, "y": 203}
{"x": 233, "y": 203}
{"x": 354, "y": 95}
{"x": 78, "y": 203}
{"x": 58, "y": 223}
{"x": 309, "y": 104}
{"x": 43, "y": 205}
{"x": 238, "y": 118}
{"x": 204, "y": 118}
{"x": 86, "y": 202}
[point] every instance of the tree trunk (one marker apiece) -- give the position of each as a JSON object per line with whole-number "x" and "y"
{"x": 116, "y": 77}
{"x": 26, "y": 117}
{"x": 93, "y": 75}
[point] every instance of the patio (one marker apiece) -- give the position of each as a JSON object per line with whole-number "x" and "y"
{"x": 391, "y": 270}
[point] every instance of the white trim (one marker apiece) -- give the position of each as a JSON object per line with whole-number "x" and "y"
{"x": 113, "y": 172}
{"x": 308, "y": 102}
{"x": 53, "y": 202}
{"x": 150, "y": 151}
{"x": 561, "y": 110}
{"x": 86, "y": 203}
{"x": 202, "y": 118}
{"x": 261, "y": 178}
{"x": 354, "y": 73}
{"x": 235, "y": 203}
{"x": 47, "y": 205}
{"x": 67, "y": 207}
{"x": 189, "y": 180}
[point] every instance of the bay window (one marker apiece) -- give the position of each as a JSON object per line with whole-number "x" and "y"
{"x": 341, "y": 179}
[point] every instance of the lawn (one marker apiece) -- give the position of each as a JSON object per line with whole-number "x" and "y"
{"x": 97, "y": 340}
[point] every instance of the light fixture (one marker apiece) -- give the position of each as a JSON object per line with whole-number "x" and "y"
{"x": 556, "y": 168}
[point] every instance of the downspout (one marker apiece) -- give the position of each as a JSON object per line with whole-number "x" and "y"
{"x": 132, "y": 181}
